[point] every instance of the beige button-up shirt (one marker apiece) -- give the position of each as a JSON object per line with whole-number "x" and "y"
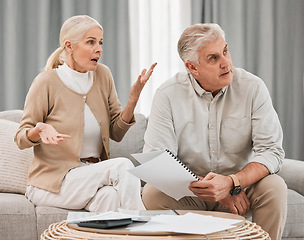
{"x": 220, "y": 134}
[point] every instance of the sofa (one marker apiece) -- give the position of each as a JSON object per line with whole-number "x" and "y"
{"x": 20, "y": 219}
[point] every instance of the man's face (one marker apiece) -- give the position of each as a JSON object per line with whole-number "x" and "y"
{"x": 215, "y": 69}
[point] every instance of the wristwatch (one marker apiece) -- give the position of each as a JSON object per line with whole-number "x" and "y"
{"x": 236, "y": 186}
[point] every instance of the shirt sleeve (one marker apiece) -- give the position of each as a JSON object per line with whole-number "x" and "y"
{"x": 160, "y": 132}
{"x": 267, "y": 134}
{"x": 35, "y": 110}
{"x": 118, "y": 127}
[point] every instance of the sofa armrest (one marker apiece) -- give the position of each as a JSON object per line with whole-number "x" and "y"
{"x": 12, "y": 115}
{"x": 292, "y": 172}
{"x": 133, "y": 141}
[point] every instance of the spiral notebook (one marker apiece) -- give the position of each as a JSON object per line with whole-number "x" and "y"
{"x": 163, "y": 170}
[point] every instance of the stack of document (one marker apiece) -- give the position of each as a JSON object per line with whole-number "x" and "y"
{"x": 155, "y": 221}
{"x": 135, "y": 215}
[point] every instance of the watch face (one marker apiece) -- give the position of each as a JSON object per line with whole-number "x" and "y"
{"x": 236, "y": 190}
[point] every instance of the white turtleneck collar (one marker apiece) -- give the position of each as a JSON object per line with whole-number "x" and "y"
{"x": 76, "y": 81}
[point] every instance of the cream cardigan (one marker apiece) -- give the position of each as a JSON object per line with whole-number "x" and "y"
{"x": 50, "y": 101}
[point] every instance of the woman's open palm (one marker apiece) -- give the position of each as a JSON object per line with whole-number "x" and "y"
{"x": 140, "y": 83}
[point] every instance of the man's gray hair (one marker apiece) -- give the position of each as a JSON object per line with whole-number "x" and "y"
{"x": 195, "y": 37}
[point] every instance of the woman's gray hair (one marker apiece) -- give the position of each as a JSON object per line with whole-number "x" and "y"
{"x": 73, "y": 29}
{"x": 195, "y": 37}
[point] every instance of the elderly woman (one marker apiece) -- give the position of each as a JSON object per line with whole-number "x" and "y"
{"x": 70, "y": 112}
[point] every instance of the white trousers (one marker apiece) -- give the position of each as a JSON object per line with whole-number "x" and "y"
{"x": 99, "y": 187}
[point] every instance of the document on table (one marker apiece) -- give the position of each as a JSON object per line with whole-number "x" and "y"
{"x": 160, "y": 221}
{"x": 135, "y": 215}
{"x": 166, "y": 172}
{"x": 189, "y": 223}
{"x": 77, "y": 217}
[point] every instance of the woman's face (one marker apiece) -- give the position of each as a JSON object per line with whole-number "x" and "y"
{"x": 84, "y": 56}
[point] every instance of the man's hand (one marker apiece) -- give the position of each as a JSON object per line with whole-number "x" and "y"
{"x": 216, "y": 188}
{"x": 238, "y": 204}
{"x": 212, "y": 188}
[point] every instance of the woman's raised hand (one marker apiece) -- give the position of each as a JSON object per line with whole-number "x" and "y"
{"x": 140, "y": 83}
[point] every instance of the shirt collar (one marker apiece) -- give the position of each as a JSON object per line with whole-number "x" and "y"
{"x": 78, "y": 82}
{"x": 199, "y": 90}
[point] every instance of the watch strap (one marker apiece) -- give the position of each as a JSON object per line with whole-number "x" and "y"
{"x": 235, "y": 180}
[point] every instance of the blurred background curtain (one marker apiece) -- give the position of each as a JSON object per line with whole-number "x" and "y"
{"x": 266, "y": 37}
{"x": 29, "y": 33}
{"x": 155, "y": 27}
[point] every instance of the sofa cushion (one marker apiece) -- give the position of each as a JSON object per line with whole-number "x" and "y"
{"x": 133, "y": 141}
{"x": 12, "y": 115}
{"x": 18, "y": 219}
{"x": 14, "y": 163}
{"x": 48, "y": 215}
{"x": 292, "y": 172}
{"x": 295, "y": 218}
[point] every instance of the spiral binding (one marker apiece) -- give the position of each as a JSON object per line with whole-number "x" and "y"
{"x": 181, "y": 163}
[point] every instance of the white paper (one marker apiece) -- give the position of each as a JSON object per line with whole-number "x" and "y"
{"x": 76, "y": 217}
{"x": 189, "y": 223}
{"x": 136, "y": 215}
{"x": 164, "y": 172}
{"x": 144, "y": 213}
{"x": 145, "y": 157}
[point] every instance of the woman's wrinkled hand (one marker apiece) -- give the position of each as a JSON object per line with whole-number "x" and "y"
{"x": 48, "y": 134}
{"x": 140, "y": 83}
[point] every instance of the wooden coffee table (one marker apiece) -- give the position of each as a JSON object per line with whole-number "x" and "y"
{"x": 243, "y": 230}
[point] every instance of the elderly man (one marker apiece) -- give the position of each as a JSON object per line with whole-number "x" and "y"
{"x": 219, "y": 120}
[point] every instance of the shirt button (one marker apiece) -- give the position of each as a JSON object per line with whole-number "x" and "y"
{"x": 84, "y": 97}
{"x": 213, "y": 152}
{"x": 104, "y": 139}
{"x": 211, "y": 126}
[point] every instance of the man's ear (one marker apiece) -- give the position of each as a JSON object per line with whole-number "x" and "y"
{"x": 191, "y": 67}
